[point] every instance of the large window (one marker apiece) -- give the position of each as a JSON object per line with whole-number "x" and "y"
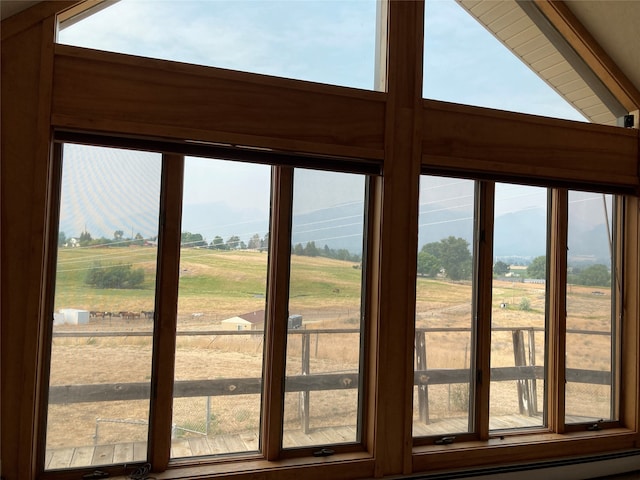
{"x": 220, "y": 273}
{"x": 528, "y": 332}
{"x": 108, "y": 324}
{"x": 105, "y": 290}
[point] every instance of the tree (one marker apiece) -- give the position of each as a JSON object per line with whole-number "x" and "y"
{"x": 538, "y": 267}
{"x": 311, "y": 250}
{"x": 233, "y": 242}
{"x": 85, "y": 238}
{"x": 188, "y": 239}
{"x": 114, "y": 276}
{"x": 298, "y": 249}
{"x": 254, "y": 242}
{"x": 428, "y": 264}
{"x": 62, "y": 239}
{"x": 595, "y": 275}
{"x": 218, "y": 243}
{"x": 500, "y": 268}
{"x": 453, "y": 255}
{"x": 118, "y": 234}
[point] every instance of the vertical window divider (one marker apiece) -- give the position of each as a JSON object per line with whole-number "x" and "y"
{"x": 277, "y": 311}
{"x": 618, "y": 296}
{"x": 483, "y": 298}
{"x": 630, "y": 313}
{"x": 557, "y": 316}
{"x": 165, "y": 319}
{"x": 55, "y": 191}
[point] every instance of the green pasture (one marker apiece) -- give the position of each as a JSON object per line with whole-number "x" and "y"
{"x": 232, "y": 281}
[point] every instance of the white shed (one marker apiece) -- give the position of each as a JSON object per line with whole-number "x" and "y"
{"x": 74, "y": 316}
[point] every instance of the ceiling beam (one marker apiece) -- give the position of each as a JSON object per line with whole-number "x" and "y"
{"x": 561, "y": 17}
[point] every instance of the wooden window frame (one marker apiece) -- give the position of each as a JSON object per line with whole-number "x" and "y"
{"x": 55, "y": 87}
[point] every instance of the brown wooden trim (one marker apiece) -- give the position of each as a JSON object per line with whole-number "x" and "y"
{"x": 524, "y": 448}
{"x": 103, "y": 91}
{"x": 563, "y": 19}
{"x": 483, "y": 294}
{"x": 166, "y": 310}
{"x": 399, "y": 223}
{"x": 557, "y": 313}
{"x": 278, "y": 310}
{"x": 48, "y": 302}
{"x": 42, "y": 192}
{"x": 516, "y": 146}
{"x": 630, "y": 341}
{"x": 32, "y": 16}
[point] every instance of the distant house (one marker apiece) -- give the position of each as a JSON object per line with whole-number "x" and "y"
{"x": 246, "y": 321}
{"x": 255, "y": 321}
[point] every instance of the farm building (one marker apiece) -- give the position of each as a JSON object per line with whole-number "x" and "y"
{"x": 71, "y": 316}
{"x": 148, "y": 113}
{"x": 246, "y": 321}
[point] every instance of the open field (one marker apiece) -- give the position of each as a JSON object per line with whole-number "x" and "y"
{"x": 215, "y": 285}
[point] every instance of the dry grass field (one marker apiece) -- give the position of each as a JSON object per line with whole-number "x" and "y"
{"x": 218, "y": 285}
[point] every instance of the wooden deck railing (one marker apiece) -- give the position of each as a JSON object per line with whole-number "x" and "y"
{"x": 525, "y": 372}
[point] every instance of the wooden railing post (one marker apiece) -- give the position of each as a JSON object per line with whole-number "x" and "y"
{"x": 421, "y": 365}
{"x": 304, "y": 394}
{"x": 520, "y": 358}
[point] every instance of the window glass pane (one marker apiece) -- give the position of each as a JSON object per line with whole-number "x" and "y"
{"x": 319, "y": 40}
{"x": 98, "y": 408}
{"x": 221, "y": 308}
{"x": 519, "y": 308}
{"x": 464, "y": 63}
{"x": 323, "y": 372}
{"x": 590, "y": 309}
{"x": 443, "y": 394}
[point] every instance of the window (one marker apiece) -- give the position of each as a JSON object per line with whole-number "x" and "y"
{"x": 101, "y": 345}
{"x": 527, "y": 328}
{"x": 366, "y": 353}
{"x": 593, "y": 293}
{"x": 311, "y": 40}
{"x": 445, "y": 308}
{"x": 107, "y": 317}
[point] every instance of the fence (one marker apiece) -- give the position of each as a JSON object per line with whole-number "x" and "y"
{"x": 525, "y": 372}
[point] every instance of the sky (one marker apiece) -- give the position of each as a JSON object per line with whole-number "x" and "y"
{"x": 315, "y": 40}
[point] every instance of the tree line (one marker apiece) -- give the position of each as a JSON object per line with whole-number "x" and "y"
{"x": 451, "y": 258}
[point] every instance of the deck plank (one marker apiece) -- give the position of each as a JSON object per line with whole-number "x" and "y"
{"x": 82, "y": 457}
{"x": 180, "y": 448}
{"x": 61, "y": 458}
{"x": 140, "y": 452}
{"x": 102, "y": 455}
{"x": 123, "y": 453}
{"x": 199, "y": 446}
{"x": 58, "y": 458}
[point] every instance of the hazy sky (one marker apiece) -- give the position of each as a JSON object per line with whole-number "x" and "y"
{"x": 323, "y": 41}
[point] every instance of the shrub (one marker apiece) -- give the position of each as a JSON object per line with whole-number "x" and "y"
{"x": 114, "y": 276}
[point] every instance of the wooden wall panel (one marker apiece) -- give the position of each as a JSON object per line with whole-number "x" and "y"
{"x": 103, "y": 91}
{"x": 22, "y": 254}
{"x": 462, "y": 138}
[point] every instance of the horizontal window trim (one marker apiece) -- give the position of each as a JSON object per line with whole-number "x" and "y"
{"x": 527, "y": 467}
{"x": 527, "y": 446}
{"x": 470, "y": 173}
{"x": 221, "y": 151}
{"x": 506, "y": 145}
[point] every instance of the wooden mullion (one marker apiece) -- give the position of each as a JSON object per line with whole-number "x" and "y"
{"x": 165, "y": 321}
{"x": 399, "y": 233}
{"x": 485, "y": 199}
{"x": 48, "y": 305}
{"x": 42, "y": 232}
{"x": 557, "y": 311}
{"x": 630, "y": 316}
{"x": 277, "y": 311}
